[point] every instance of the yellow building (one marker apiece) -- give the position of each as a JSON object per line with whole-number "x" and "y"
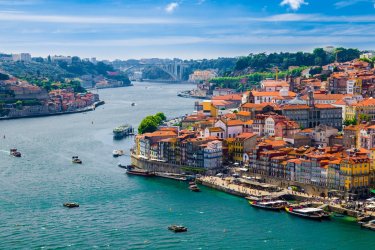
{"x": 242, "y": 144}
{"x": 363, "y": 110}
{"x": 355, "y": 173}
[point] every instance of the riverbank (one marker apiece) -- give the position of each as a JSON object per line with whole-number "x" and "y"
{"x": 86, "y": 109}
{"x": 187, "y": 94}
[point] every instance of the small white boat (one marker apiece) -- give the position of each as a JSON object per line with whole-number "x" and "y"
{"x": 117, "y": 152}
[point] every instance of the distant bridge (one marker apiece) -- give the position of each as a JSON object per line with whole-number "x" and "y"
{"x": 174, "y": 69}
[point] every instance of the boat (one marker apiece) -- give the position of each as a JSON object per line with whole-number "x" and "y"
{"x": 15, "y": 153}
{"x": 306, "y": 212}
{"x": 76, "y": 160}
{"x": 194, "y": 188}
{"x": 364, "y": 218}
{"x": 192, "y": 183}
{"x": 71, "y": 204}
{"x": 117, "y": 152}
{"x": 177, "y": 229}
{"x": 133, "y": 104}
{"x": 122, "y": 131}
{"x": 369, "y": 225}
{"x": 138, "y": 171}
{"x": 269, "y": 205}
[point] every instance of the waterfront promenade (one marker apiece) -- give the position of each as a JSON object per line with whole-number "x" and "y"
{"x": 227, "y": 184}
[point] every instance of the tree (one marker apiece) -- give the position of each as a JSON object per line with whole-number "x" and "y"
{"x": 161, "y": 115}
{"x": 150, "y": 123}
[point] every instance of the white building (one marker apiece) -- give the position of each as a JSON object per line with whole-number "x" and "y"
{"x": 231, "y": 128}
{"x": 24, "y": 57}
{"x": 67, "y": 59}
{"x": 269, "y": 126}
{"x": 202, "y": 75}
{"x": 215, "y": 131}
{"x": 213, "y": 155}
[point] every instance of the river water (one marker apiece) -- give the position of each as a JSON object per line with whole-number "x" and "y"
{"x": 129, "y": 212}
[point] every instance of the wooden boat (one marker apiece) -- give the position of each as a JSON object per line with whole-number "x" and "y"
{"x": 137, "y": 171}
{"x": 194, "y": 188}
{"x": 269, "y": 205}
{"x": 70, "y": 204}
{"x": 177, "y": 229}
{"x": 76, "y": 160}
{"x": 306, "y": 212}
{"x": 369, "y": 225}
{"x": 14, "y": 152}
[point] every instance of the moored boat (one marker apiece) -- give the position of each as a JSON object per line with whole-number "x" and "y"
{"x": 194, "y": 188}
{"x": 369, "y": 225}
{"x": 117, "y": 152}
{"x": 122, "y": 131}
{"x": 137, "y": 171}
{"x": 269, "y": 205}
{"x": 306, "y": 212}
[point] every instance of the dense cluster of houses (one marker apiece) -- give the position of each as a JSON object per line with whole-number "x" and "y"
{"x": 289, "y": 129}
{"x": 24, "y": 99}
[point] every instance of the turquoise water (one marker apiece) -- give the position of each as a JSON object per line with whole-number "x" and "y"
{"x": 129, "y": 212}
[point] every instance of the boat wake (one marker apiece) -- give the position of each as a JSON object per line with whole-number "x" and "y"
{"x": 4, "y": 151}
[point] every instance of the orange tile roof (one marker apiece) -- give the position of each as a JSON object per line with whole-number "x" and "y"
{"x": 367, "y": 102}
{"x": 271, "y": 93}
{"x": 231, "y": 97}
{"x": 243, "y": 136}
{"x": 327, "y": 97}
{"x": 234, "y": 123}
{"x": 216, "y": 129}
{"x": 244, "y": 113}
{"x": 325, "y": 106}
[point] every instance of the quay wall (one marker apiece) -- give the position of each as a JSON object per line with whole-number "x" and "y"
{"x": 155, "y": 166}
{"x": 221, "y": 188}
{"x": 309, "y": 188}
{"x": 344, "y": 211}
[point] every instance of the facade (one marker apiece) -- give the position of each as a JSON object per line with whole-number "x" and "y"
{"x": 213, "y": 155}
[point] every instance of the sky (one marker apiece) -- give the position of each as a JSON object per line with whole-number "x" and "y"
{"x": 188, "y": 29}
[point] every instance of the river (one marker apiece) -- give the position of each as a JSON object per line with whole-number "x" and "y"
{"x": 129, "y": 212}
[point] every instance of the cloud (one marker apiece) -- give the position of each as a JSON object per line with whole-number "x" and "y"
{"x": 347, "y": 3}
{"x": 25, "y": 17}
{"x": 294, "y": 4}
{"x": 309, "y": 18}
{"x": 170, "y": 8}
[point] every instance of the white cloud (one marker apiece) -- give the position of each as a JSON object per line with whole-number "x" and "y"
{"x": 294, "y": 4}
{"x": 170, "y": 8}
{"x": 26, "y": 17}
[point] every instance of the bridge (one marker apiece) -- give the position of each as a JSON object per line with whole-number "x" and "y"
{"x": 174, "y": 69}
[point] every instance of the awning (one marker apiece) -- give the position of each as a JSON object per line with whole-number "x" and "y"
{"x": 372, "y": 191}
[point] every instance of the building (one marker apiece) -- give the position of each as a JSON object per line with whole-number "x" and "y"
{"x": 355, "y": 169}
{"x": 271, "y": 85}
{"x": 322, "y": 134}
{"x": 24, "y": 57}
{"x": 259, "y": 97}
{"x": 231, "y": 128}
{"x": 213, "y": 155}
{"x": 202, "y": 75}
{"x": 243, "y": 143}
